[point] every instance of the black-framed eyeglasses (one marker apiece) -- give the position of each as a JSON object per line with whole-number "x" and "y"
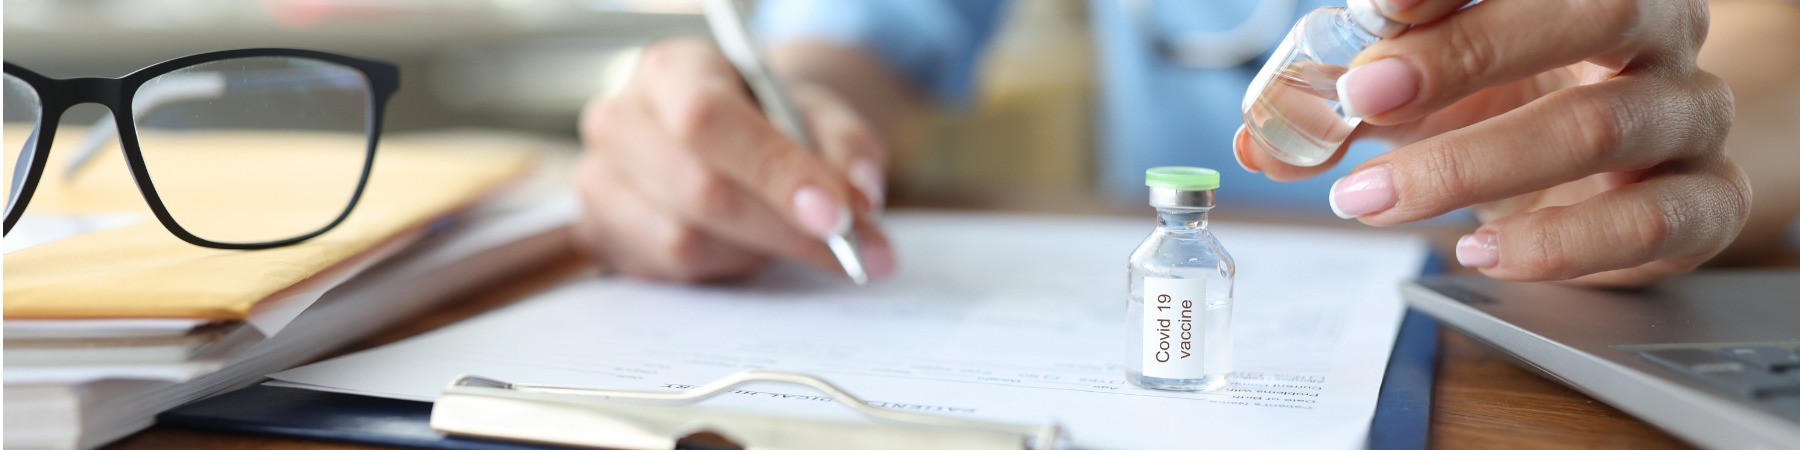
{"x": 237, "y": 149}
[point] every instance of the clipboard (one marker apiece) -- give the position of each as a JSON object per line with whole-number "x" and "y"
{"x": 660, "y": 420}
{"x": 1402, "y": 412}
{"x": 1402, "y": 417}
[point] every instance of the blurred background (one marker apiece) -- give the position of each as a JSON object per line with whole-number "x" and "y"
{"x": 530, "y": 65}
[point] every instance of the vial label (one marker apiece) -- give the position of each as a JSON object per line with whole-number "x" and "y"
{"x": 1173, "y": 327}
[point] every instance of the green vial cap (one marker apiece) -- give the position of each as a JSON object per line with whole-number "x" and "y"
{"x": 1182, "y": 178}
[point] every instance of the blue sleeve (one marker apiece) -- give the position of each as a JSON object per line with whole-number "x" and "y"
{"x": 934, "y": 44}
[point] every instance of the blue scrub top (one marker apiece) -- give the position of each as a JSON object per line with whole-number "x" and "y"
{"x": 1153, "y": 111}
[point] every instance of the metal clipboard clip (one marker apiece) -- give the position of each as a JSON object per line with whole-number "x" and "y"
{"x": 486, "y": 408}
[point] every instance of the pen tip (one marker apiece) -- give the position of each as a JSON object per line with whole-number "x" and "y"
{"x": 844, "y": 246}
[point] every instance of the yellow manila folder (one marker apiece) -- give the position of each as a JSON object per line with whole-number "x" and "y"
{"x": 142, "y": 270}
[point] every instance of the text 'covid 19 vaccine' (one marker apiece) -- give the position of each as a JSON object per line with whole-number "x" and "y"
{"x": 1178, "y": 306}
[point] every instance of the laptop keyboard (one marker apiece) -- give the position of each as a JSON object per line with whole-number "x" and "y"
{"x": 1768, "y": 375}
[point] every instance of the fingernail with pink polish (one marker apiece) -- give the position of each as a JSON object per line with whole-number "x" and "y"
{"x": 1367, "y": 191}
{"x": 1480, "y": 250}
{"x": 1377, "y": 87}
{"x": 867, "y": 177}
{"x": 819, "y": 213}
{"x": 879, "y": 259}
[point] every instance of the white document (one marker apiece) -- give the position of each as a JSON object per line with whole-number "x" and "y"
{"x": 99, "y": 328}
{"x": 49, "y": 227}
{"x": 1009, "y": 318}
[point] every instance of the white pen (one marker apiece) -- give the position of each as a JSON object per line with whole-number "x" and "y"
{"x": 729, "y": 28}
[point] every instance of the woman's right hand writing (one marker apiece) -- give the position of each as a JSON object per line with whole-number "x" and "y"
{"x": 684, "y": 179}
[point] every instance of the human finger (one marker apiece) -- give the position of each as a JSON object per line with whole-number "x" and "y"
{"x": 1256, "y": 158}
{"x": 846, "y": 141}
{"x": 1417, "y": 11}
{"x": 1641, "y": 275}
{"x": 681, "y": 183}
{"x": 1624, "y": 124}
{"x": 1434, "y": 65}
{"x": 626, "y": 233}
{"x": 701, "y": 102}
{"x": 1682, "y": 217}
{"x": 852, "y": 146}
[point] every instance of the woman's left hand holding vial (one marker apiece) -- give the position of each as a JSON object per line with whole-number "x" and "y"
{"x": 1583, "y": 133}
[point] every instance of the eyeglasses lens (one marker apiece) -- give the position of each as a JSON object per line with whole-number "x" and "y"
{"x": 254, "y": 149}
{"x": 21, "y": 118}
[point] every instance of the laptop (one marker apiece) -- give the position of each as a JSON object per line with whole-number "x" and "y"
{"x": 1711, "y": 357}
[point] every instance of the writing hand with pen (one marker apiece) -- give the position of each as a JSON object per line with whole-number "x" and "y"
{"x": 685, "y": 179}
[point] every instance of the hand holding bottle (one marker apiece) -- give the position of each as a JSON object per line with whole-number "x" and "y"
{"x": 1582, "y": 132}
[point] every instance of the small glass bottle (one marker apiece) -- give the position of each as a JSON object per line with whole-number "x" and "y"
{"x": 1178, "y": 309}
{"x": 1291, "y": 107}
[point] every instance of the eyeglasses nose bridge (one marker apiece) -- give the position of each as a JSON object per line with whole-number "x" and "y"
{"x": 108, "y": 92}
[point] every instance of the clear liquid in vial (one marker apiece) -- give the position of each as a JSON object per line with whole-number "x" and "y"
{"x": 1181, "y": 248}
{"x": 1291, "y": 107}
{"x": 1297, "y": 117}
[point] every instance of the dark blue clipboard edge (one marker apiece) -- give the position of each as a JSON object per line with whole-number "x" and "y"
{"x": 1402, "y": 412}
{"x": 1403, "y": 407}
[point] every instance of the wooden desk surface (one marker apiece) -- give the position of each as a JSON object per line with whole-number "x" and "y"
{"x": 1480, "y": 400}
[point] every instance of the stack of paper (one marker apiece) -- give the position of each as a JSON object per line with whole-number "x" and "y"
{"x": 1008, "y": 318}
{"x": 110, "y": 319}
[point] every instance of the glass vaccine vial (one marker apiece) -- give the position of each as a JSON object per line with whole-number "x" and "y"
{"x": 1178, "y": 306}
{"x": 1291, "y": 108}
